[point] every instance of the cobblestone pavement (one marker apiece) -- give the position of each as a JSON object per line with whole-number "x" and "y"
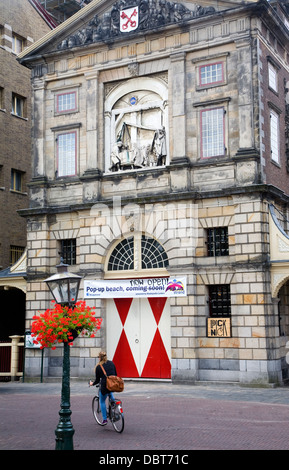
{"x": 159, "y": 417}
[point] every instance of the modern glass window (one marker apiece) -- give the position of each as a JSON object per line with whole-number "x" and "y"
{"x": 212, "y": 73}
{"x": 217, "y": 241}
{"x": 66, "y": 154}
{"x": 66, "y": 102}
{"x": 274, "y": 136}
{"x": 219, "y": 300}
{"x": 18, "y": 105}
{"x": 16, "y": 180}
{"x": 272, "y": 73}
{"x": 212, "y": 133}
{"x": 68, "y": 251}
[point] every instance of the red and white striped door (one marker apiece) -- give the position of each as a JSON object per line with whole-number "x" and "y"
{"x": 138, "y": 337}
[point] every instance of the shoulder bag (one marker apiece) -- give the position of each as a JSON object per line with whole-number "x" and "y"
{"x": 113, "y": 382}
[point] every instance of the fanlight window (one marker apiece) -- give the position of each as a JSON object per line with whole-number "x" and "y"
{"x": 153, "y": 255}
{"x": 122, "y": 257}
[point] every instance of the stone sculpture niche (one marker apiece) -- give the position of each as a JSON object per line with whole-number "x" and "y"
{"x": 136, "y": 124}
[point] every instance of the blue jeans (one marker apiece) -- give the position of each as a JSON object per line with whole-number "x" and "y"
{"x": 102, "y": 399}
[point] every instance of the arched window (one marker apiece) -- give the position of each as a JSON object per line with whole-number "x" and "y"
{"x": 153, "y": 254}
{"x": 122, "y": 257}
{"x": 128, "y": 252}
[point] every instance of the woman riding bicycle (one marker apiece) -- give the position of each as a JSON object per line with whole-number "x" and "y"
{"x": 110, "y": 369}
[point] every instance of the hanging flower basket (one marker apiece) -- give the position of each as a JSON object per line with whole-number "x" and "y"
{"x": 74, "y": 334}
{"x": 63, "y": 324}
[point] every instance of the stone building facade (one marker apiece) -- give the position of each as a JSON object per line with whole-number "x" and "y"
{"x": 160, "y": 143}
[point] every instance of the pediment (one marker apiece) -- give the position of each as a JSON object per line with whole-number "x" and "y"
{"x": 134, "y": 16}
{"x": 106, "y": 21}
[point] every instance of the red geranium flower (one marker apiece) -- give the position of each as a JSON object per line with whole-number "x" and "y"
{"x": 55, "y": 325}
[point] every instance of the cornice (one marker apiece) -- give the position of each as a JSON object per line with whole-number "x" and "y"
{"x": 268, "y": 191}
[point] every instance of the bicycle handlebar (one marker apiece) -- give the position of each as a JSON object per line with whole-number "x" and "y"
{"x": 97, "y": 385}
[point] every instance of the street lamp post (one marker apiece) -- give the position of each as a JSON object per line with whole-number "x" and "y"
{"x": 64, "y": 287}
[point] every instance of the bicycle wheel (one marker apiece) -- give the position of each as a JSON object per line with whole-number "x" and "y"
{"x": 116, "y": 417}
{"x": 96, "y": 410}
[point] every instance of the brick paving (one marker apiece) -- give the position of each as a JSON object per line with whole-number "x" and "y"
{"x": 158, "y": 417}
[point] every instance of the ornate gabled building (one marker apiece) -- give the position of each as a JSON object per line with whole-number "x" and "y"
{"x": 160, "y": 173}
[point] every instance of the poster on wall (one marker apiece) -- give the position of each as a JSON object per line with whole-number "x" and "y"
{"x": 151, "y": 287}
{"x": 29, "y": 341}
{"x": 219, "y": 327}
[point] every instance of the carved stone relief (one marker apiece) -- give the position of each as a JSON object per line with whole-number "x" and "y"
{"x": 127, "y": 154}
{"x": 129, "y": 15}
{"x": 140, "y": 137}
{"x": 136, "y": 124}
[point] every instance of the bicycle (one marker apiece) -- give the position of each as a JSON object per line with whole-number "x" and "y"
{"x": 114, "y": 413}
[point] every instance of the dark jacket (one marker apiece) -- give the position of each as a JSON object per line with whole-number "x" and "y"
{"x": 110, "y": 369}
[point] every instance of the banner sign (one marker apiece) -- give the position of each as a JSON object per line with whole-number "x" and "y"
{"x": 124, "y": 288}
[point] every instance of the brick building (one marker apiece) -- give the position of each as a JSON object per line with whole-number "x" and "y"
{"x": 22, "y": 22}
{"x": 160, "y": 172}
{"x": 20, "y": 25}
